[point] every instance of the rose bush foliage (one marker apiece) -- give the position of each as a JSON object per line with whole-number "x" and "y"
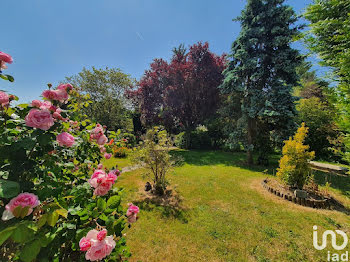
{"x": 55, "y": 196}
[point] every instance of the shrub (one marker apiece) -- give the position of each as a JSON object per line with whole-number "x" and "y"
{"x": 54, "y": 191}
{"x": 294, "y": 167}
{"x": 197, "y": 139}
{"x": 153, "y": 153}
{"x": 120, "y": 152}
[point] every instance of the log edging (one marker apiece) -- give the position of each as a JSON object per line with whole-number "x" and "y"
{"x": 324, "y": 204}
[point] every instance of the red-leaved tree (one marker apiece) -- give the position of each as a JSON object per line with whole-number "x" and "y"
{"x": 181, "y": 93}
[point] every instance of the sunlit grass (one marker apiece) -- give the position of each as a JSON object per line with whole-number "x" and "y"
{"x": 225, "y": 215}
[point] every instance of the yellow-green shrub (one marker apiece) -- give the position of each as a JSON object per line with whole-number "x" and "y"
{"x": 294, "y": 167}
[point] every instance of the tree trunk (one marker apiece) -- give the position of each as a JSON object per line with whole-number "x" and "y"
{"x": 250, "y": 137}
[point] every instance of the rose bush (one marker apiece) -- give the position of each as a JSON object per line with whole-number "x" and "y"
{"x": 51, "y": 152}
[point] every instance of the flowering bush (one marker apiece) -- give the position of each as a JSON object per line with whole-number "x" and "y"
{"x": 51, "y": 153}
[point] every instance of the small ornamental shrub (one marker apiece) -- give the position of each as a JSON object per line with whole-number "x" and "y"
{"x": 57, "y": 202}
{"x": 153, "y": 153}
{"x": 294, "y": 168}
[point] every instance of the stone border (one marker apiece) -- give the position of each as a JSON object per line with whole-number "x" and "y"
{"x": 300, "y": 201}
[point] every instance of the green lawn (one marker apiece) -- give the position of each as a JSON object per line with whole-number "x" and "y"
{"x": 224, "y": 215}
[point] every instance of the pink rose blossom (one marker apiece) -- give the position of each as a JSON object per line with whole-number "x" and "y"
{"x": 101, "y": 182}
{"x": 102, "y": 234}
{"x": 132, "y": 218}
{"x": 84, "y": 244}
{"x": 65, "y": 139}
{"x": 6, "y": 58}
{"x": 4, "y": 99}
{"x": 102, "y": 149}
{"x": 65, "y": 87}
{"x": 59, "y": 95}
{"x": 98, "y": 134}
{"x": 112, "y": 177}
{"x": 102, "y": 140}
{"x": 36, "y": 103}
{"x": 132, "y": 210}
{"x": 3, "y": 65}
{"x": 97, "y": 244}
{"x": 107, "y": 155}
{"x": 41, "y": 119}
{"x": 50, "y": 94}
{"x": 23, "y": 200}
{"x": 57, "y": 115}
{"x": 100, "y": 166}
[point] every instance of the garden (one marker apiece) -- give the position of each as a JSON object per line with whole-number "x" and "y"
{"x": 207, "y": 157}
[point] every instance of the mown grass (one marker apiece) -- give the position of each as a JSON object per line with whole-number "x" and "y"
{"x": 224, "y": 215}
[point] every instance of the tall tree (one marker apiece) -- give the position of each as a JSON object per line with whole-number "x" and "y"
{"x": 329, "y": 37}
{"x": 262, "y": 73}
{"x": 106, "y": 88}
{"x": 181, "y": 93}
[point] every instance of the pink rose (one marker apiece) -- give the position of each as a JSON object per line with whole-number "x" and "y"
{"x": 112, "y": 177}
{"x": 102, "y": 140}
{"x": 132, "y": 210}
{"x": 84, "y": 244}
{"x": 3, "y": 65}
{"x": 50, "y": 94}
{"x": 4, "y": 99}
{"x": 6, "y": 58}
{"x": 36, "y": 103}
{"x": 23, "y": 200}
{"x": 103, "y": 188}
{"x": 65, "y": 87}
{"x": 107, "y": 155}
{"x": 101, "y": 182}
{"x": 132, "y": 218}
{"x": 41, "y": 119}
{"x": 100, "y": 166}
{"x": 97, "y": 244}
{"x": 59, "y": 95}
{"x": 102, "y": 149}
{"x": 102, "y": 234}
{"x": 65, "y": 139}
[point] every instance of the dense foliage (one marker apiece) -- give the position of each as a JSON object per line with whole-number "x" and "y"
{"x": 261, "y": 75}
{"x": 329, "y": 38}
{"x": 183, "y": 93}
{"x": 56, "y": 199}
{"x": 294, "y": 167}
{"x": 106, "y": 89}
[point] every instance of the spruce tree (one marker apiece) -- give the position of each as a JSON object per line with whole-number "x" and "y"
{"x": 262, "y": 73}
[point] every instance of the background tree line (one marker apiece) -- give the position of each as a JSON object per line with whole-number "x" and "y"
{"x": 252, "y": 99}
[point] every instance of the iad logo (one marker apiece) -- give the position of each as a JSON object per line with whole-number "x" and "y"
{"x": 335, "y": 256}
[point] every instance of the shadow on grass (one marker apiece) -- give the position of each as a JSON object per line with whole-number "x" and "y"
{"x": 169, "y": 205}
{"x": 237, "y": 159}
{"x": 341, "y": 183}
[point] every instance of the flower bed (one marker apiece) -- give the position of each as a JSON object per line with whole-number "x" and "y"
{"x": 289, "y": 195}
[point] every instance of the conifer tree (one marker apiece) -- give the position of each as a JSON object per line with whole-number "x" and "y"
{"x": 262, "y": 73}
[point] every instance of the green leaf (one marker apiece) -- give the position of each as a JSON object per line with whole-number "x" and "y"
{"x": 42, "y": 220}
{"x": 5, "y": 234}
{"x": 62, "y": 212}
{"x": 101, "y": 204}
{"x": 24, "y": 211}
{"x": 8, "y": 189}
{"x": 10, "y": 78}
{"x": 47, "y": 238}
{"x": 22, "y": 234}
{"x": 30, "y": 251}
{"x": 17, "y": 211}
{"x": 113, "y": 202}
{"x": 52, "y": 218}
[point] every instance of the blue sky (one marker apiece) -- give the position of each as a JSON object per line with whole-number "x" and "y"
{"x": 53, "y": 39}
